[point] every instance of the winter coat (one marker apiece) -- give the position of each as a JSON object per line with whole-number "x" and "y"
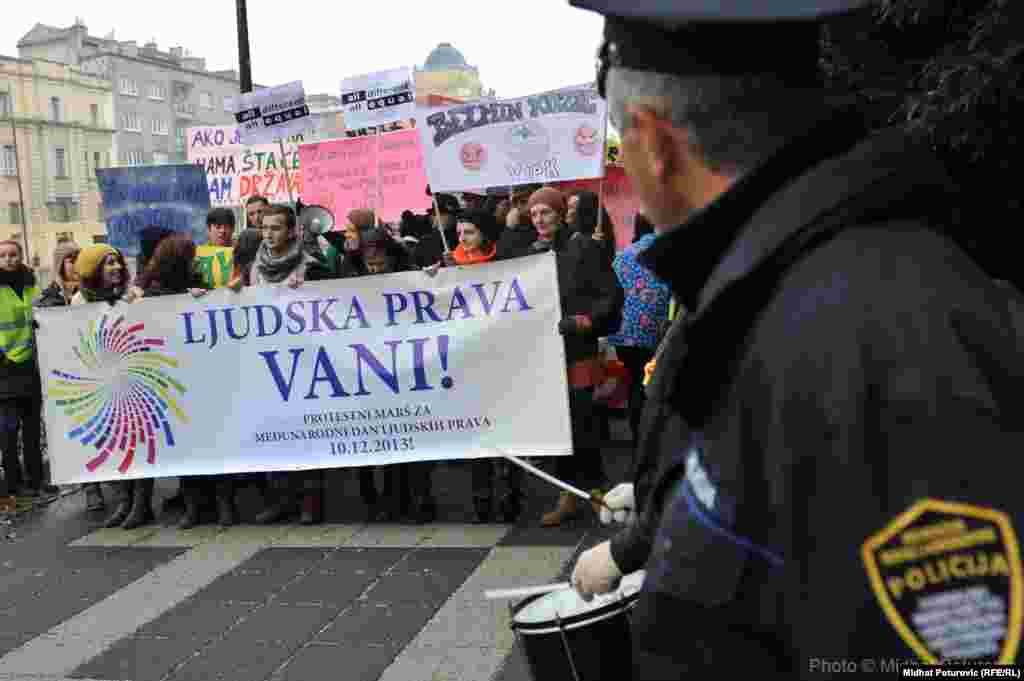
{"x": 516, "y": 242}
{"x": 647, "y": 297}
{"x": 20, "y": 378}
{"x": 586, "y": 288}
{"x": 843, "y": 362}
{"x": 52, "y": 296}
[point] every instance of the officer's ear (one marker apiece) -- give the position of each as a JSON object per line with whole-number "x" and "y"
{"x": 657, "y": 139}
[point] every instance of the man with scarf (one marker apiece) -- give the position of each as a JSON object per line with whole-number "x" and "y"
{"x": 284, "y": 259}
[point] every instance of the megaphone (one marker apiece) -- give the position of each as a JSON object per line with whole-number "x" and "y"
{"x": 316, "y": 219}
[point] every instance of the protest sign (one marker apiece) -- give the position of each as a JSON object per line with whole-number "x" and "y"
{"x": 173, "y": 196}
{"x": 235, "y": 171}
{"x": 550, "y": 137}
{"x": 617, "y": 197}
{"x": 272, "y": 113}
{"x": 377, "y": 370}
{"x": 343, "y": 174}
{"x": 378, "y": 98}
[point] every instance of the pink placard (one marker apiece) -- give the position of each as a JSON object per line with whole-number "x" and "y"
{"x": 343, "y": 175}
{"x": 618, "y": 198}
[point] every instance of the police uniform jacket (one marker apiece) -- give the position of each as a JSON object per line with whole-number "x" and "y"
{"x": 848, "y": 379}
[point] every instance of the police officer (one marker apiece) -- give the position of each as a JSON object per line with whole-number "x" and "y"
{"x": 824, "y": 470}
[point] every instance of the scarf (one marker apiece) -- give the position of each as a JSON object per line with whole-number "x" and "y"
{"x": 105, "y": 295}
{"x": 275, "y": 269}
{"x": 464, "y": 258}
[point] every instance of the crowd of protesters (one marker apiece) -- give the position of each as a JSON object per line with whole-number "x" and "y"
{"x": 603, "y": 296}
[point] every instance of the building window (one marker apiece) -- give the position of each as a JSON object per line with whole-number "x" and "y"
{"x": 95, "y": 161}
{"x": 15, "y": 210}
{"x": 65, "y": 236}
{"x": 229, "y": 104}
{"x": 159, "y": 126}
{"x": 206, "y": 100}
{"x": 60, "y": 166}
{"x": 157, "y": 91}
{"x": 159, "y": 158}
{"x": 55, "y": 108}
{"x": 133, "y": 158}
{"x": 5, "y": 103}
{"x": 62, "y": 210}
{"x": 131, "y": 122}
{"x": 94, "y": 113}
{"x": 8, "y": 162}
{"x": 99, "y": 238}
{"x": 129, "y": 87}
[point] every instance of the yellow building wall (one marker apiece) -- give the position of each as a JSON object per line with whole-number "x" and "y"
{"x": 32, "y": 84}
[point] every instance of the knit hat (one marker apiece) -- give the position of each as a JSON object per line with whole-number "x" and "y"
{"x": 64, "y": 250}
{"x": 88, "y": 261}
{"x": 551, "y": 197}
{"x": 485, "y": 222}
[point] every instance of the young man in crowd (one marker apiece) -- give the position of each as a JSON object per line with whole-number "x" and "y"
{"x": 519, "y": 234}
{"x": 215, "y": 258}
{"x": 254, "y": 208}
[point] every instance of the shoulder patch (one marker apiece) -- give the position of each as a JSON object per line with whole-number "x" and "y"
{"x": 948, "y": 577}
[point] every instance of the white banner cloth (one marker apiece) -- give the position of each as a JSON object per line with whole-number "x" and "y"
{"x": 378, "y": 370}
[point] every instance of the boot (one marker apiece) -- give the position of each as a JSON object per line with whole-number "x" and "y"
{"x": 124, "y": 506}
{"x": 226, "y": 514}
{"x": 191, "y": 494}
{"x": 312, "y": 509}
{"x": 510, "y": 506}
{"x": 482, "y": 505}
{"x": 567, "y": 508}
{"x": 94, "y": 497}
{"x": 142, "y": 505}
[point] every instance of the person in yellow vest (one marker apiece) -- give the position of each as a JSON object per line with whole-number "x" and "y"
{"x": 215, "y": 259}
{"x": 20, "y": 389}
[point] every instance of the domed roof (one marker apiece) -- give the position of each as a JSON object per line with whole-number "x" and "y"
{"x": 445, "y": 57}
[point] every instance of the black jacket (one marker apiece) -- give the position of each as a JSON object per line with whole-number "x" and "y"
{"x": 843, "y": 361}
{"x": 516, "y": 242}
{"x": 52, "y": 296}
{"x": 587, "y": 288}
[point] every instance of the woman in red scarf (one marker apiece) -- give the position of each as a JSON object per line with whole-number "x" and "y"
{"x": 478, "y": 236}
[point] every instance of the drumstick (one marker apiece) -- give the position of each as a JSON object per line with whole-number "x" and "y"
{"x": 522, "y": 592}
{"x": 555, "y": 481}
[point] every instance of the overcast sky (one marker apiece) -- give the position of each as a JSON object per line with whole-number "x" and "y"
{"x": 520, "y": 47}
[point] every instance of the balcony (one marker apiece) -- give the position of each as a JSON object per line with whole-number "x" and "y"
{"x": 184, "y": 110}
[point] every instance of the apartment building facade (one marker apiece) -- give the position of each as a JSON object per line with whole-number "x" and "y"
{"x": 157, "y": 94}
{"x": 56, "y": 128}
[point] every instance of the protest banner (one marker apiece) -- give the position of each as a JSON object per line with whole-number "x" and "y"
{"x": 550, "y": 137}
{"x": 173, "y": 196}
{"x": 272, "y": 113}
{"x": 236, "y": 171}
{"x": 343, "y": 174}
{"x": 372, "y": 371}
{"x": 617, "y": 197}
{"x": 377, "y": 98}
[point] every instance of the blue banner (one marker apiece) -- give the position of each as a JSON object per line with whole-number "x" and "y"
{"x": 174, "y": 197}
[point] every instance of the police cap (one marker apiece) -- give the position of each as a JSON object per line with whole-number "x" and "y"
{"x": 708, "y": 37}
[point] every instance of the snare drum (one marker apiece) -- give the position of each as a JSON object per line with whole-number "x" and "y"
{"x": 566, "y": 638}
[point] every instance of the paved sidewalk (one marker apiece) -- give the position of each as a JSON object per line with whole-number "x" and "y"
{"x": 343, "y": 600}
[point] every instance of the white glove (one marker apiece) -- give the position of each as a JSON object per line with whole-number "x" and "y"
{"x": 620, "y": 501}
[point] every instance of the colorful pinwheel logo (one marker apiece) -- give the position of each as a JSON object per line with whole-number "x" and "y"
{"x": 125, "y": 399}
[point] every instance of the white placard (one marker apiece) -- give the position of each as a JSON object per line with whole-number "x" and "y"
{"x": 370, "y": 371}
{"x": 550, "y": 137}
{"x": 271, "y": 114}
{"x": 378, "y": 98}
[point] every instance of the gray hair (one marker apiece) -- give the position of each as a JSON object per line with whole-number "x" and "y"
{"x": 734, "y": 122}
